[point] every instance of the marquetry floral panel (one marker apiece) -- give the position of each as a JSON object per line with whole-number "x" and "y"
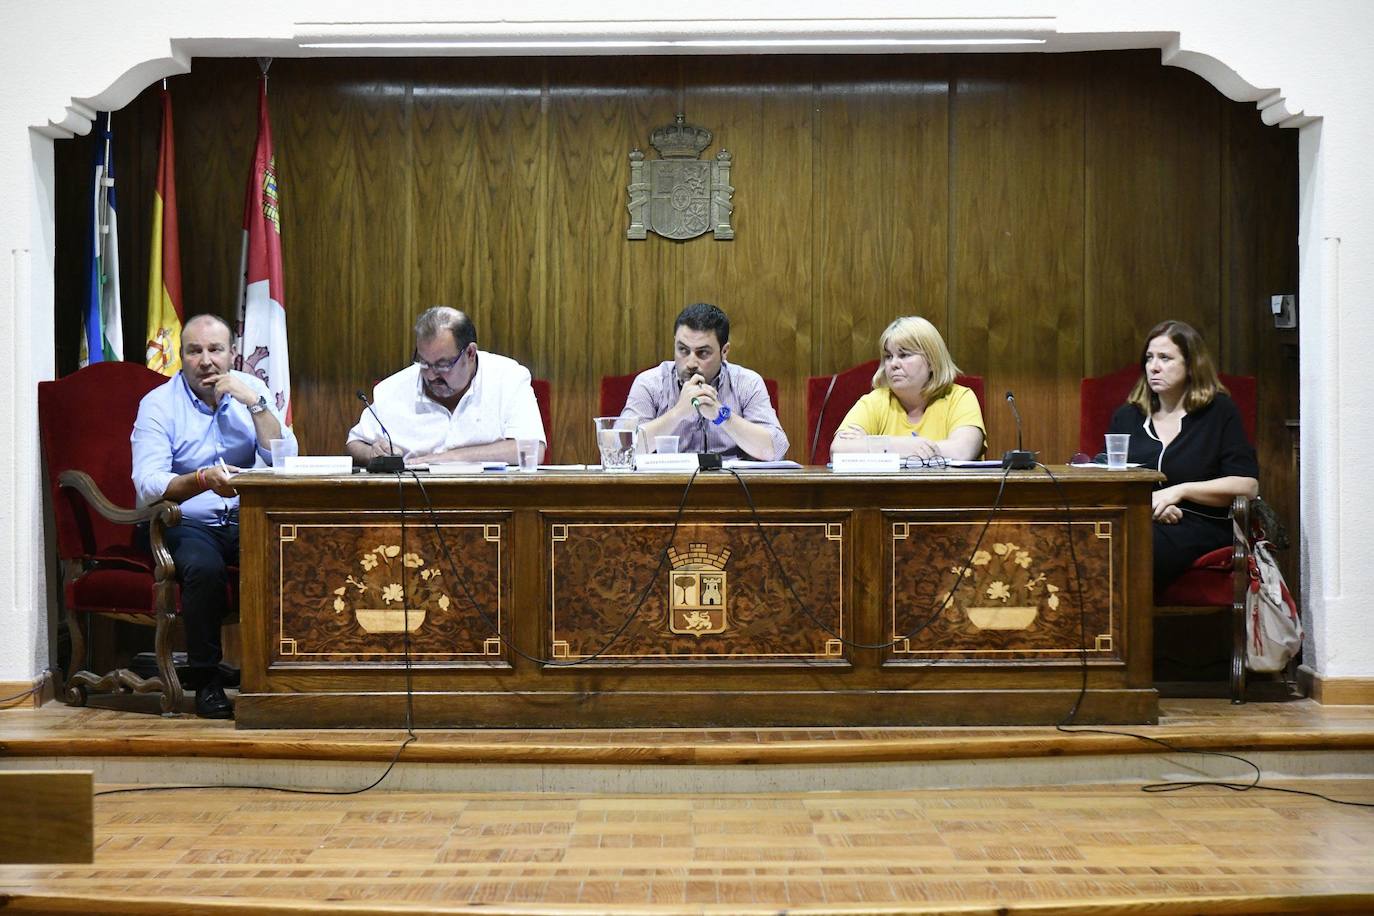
{"x": 348, "y": 592}
{"x": 717, "y": 595}
{"x": 1013, "y": 597}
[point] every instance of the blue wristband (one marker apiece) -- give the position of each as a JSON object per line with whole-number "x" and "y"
{"x": 722, "y": 416}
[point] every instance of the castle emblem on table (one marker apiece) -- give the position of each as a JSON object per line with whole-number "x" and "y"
{"x": 696, "y": 591}
{"x": 680, "y": 196}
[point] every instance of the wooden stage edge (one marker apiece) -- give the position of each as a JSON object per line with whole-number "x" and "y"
{"x": 58, "y": 731}
{"x": 694, "y": 709}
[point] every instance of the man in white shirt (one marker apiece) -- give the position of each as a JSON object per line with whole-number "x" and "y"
{"x": 454, "y": 403}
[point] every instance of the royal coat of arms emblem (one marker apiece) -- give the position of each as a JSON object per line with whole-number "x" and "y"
{"x": 696, "y": 590}
{"x": 680, "y": 196}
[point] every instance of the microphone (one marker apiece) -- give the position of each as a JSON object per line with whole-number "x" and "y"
{"x": 382, "y": 464}
{"x": 1018, "y": 459}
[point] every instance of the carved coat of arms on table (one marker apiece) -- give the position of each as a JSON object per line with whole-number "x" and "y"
{"x": 680, "y": 196}
{"x": 696, "y": 590}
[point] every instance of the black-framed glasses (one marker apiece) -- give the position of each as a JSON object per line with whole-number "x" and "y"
{"x": 441, "y": 366}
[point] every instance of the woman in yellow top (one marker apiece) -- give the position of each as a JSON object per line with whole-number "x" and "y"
{"x": 914, "y": 405}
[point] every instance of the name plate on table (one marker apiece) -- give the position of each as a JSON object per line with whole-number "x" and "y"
{"x": 866, "y": 463}
{"x": 317, "y": 465}
{"x": 672, "y": 463}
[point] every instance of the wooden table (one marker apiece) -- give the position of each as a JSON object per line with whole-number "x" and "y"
{"x": 567, "y": 599}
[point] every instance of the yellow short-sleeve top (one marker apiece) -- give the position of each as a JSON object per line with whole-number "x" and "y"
{"x": 879, "y": 413}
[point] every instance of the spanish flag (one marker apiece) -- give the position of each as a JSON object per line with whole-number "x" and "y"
{"x": 164, "y": 264}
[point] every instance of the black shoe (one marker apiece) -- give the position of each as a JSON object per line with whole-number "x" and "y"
{"x": 211, "y": 703}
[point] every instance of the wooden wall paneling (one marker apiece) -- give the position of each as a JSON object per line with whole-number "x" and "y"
{"x": 345, "y": 167}
{"x": 650, "y": 292}
{"x": 478, "y": 192}
{"x": 761, "y": 111}
{"x": 882, "y": 203}
{"x": 215, "y": 112}
{"x": 593, "y": 111}
{"x": 71, "y": 222}
{"x": 503, "y": 183}
{"x": 1259, "y": 261}
{"x": 1017, "y": 213}
{"x": 1154, "y": 233}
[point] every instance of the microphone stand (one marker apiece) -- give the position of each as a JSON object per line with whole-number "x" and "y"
{"x": 1018, "y": 459}
{"x": 382, "y": 464}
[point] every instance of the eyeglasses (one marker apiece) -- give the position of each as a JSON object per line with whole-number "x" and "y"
{"x": 441, "y": 366}
{"x": 934, "y": 461}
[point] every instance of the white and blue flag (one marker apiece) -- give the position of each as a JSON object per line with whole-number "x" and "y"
{"x": 103, "y": 336}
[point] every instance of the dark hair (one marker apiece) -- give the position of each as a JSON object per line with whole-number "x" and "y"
{"x": 703, "y": 316}
{"x": 442, "y": 318}
{"x": 1203, "y": 384}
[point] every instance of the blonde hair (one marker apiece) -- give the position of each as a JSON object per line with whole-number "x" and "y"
{"x": 1202, "y": 385}
{"x": 915, "y": 333}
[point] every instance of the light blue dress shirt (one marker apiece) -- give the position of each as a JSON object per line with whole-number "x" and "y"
{"x": 176, "y": 433}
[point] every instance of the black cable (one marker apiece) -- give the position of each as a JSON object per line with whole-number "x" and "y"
{"x": 36, "y": 688}
{"x": 936, "y": 611}
{"x": 284, "y": 789}
{"x": 495, "y": 627}
{"x": 405, "y": 609}
{"x": 1157, "y": 787}
{"x": 1082, "y": 600}
{"x": 411, "y": 737}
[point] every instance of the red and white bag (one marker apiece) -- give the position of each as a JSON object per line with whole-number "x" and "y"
{"x": 1272, "y": 623}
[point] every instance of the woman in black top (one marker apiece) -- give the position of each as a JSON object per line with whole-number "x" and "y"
{"x": 1183, "y": 422}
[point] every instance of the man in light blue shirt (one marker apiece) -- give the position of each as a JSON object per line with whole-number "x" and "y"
{"x": 191, "y": 436}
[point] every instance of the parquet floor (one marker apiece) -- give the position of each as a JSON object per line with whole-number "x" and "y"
{"x": 1030, "y": 850}
{"x": 1082, "y": 849}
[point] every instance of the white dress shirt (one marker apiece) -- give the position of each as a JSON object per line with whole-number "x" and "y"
{"x": 498, "y": 405}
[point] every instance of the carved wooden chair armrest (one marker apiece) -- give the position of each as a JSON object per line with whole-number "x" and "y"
{"x": 159, "y": 515}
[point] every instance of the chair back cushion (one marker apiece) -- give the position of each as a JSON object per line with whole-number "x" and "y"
{"x": 84, "y": 424}
{"x": 1098, "y": 399}
{"x": 615, "y": 390}
{"x": 823, "y": 414}
{"x": 543, "y": 394}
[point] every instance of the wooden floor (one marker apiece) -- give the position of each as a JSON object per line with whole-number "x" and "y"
{"x": 1080, "y": 849}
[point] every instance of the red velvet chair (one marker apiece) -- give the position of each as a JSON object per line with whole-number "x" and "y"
{"x": 615, "y": 390}
{"x": 1216, "y": 581}
{"x": 544, "y": 395}
{"x": 84, "y": 424}
{"x": 829, "y": 397}
{"x": 1098, "y": 399}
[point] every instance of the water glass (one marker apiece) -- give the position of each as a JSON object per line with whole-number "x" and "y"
{"x": 278, "y": 449}
{"x": 528, "y": 452}
{"x": 615, "y": 438}
{"x": 1117, "y": 446}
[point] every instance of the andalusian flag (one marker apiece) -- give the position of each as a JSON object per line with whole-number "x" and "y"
{"x": 104, "y": 335}
{"x": 262, "y": 311}
{"x": 164, "y": 267}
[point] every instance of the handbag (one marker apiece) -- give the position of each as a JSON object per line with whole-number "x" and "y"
{"x": 1273, "y": 626}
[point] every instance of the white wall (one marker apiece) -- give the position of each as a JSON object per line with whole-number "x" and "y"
{"x": 1297, "y": 61}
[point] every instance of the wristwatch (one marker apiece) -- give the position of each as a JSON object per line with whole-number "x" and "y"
{"x": 722, "y": 416}
{"x": 259, "y": 407}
